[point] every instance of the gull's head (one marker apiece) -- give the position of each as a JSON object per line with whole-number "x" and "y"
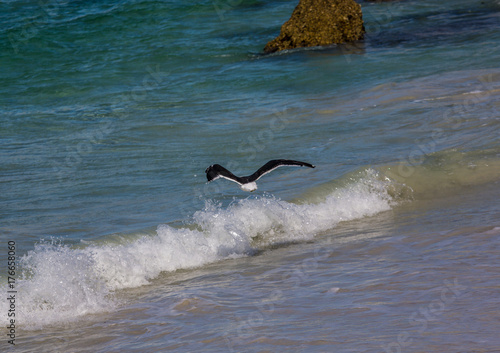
{"x": 249, "y": 186}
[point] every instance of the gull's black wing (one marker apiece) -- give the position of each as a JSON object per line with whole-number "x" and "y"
{"x": 216, "y": 171}
{"x": 275, "y": 163}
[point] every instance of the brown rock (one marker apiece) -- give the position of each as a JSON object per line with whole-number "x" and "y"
{"x": 320, "y": 22}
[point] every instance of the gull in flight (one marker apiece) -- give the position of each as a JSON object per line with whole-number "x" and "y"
{"x": 248, "y": 183}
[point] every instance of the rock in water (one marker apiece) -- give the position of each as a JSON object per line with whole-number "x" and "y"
{"x": 320, "y": 22}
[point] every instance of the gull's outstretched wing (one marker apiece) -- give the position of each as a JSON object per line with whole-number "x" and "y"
{"x": 276, "y": 163}
{"x": 217, "y": 171}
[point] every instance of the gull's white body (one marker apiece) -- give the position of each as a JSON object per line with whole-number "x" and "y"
{"x": 249, "y": 186}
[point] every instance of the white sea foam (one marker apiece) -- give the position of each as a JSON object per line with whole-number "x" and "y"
{"x": 60, "y": 283}
{"x": 63, "y": 283}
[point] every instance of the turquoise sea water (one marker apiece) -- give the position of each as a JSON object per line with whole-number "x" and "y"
{"x": 110, "y": 113}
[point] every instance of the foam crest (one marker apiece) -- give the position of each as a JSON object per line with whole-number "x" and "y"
{"x": 136, "y": 263}
{"x": 62, "y": 283}
{"x": 269, "y": 220}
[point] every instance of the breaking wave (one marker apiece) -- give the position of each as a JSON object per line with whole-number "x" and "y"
{"x": 62, "y": 282}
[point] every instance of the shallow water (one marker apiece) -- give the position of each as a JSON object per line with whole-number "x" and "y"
{"x": 111, "y": 113}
